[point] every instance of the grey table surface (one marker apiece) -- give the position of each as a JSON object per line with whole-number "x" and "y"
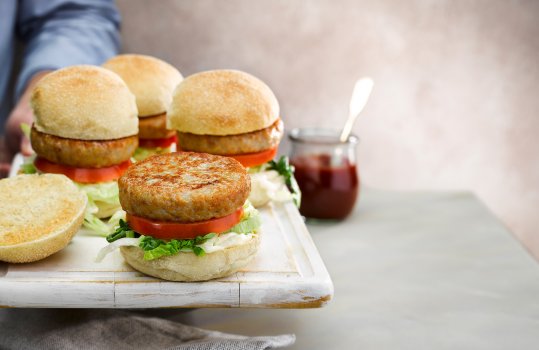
{"x": 411, "y": 270}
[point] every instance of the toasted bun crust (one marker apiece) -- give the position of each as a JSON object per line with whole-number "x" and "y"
{"x": 39, "y": 214}
{"x": 251, "y": 142}
{"x": 82, "y": 153}
{"x": 84, "y": 103}
{"x": 184, "y": 187}
{"x": 150, "y": 79}
{"x": 189, "y": 267}
{"x": 222, "y": 102}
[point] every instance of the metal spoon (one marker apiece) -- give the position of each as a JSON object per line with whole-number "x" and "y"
{"x": 360, "y": 96}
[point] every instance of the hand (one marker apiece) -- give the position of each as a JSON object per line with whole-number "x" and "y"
{"x": 4, "y": 159}
{"x": 15, "y": 141}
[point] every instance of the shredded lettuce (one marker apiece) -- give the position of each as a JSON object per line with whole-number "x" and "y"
{"x": 283, "y": 167}
{"x": 250, "y": 221}
{"x": 102, "y": 197}
{"x": 270, "y": 188}
{"x": 155, "y": 248}
{"x": 122, "y": 231}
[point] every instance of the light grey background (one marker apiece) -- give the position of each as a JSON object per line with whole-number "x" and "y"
{"x": 455, "y": 104}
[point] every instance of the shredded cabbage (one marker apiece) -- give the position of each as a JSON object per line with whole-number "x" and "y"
{"x": 102, "y": 197}
{"x": 268, "y": 185}
{"x": 156, "y": 248}
{"x": 109, "y": 248}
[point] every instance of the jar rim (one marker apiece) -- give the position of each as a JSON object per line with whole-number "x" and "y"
{"x": 320, "y": 136}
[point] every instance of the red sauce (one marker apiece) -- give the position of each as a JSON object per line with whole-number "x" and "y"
{"x": 328, "y": 191}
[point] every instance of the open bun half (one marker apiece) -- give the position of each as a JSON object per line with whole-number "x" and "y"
{"x": 39, "y": 214}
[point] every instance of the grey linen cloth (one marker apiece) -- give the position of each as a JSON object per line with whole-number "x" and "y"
{"x": 116, "y": 329}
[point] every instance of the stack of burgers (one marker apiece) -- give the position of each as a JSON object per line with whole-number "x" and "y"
{"x": 187, "y": 216}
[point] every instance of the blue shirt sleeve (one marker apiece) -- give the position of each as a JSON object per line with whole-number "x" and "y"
{"x": 60, "y": 33}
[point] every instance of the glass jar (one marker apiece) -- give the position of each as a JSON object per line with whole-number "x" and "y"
{"x": 325, "y": 169}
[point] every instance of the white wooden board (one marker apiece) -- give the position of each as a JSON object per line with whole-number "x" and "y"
{"x": 287, "y": 273}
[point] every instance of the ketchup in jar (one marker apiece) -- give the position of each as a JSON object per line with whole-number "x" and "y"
{"x": 326, "y": 172}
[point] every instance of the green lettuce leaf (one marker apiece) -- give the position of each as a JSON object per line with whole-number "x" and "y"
{"x": 26, "y": 129}
{"x": 283, "y": 167}
{"x": 250, "y": 221}
{"x": 28, "y": 166}
{"x": 156, "y": 248}
{"x": 122, "y": 231}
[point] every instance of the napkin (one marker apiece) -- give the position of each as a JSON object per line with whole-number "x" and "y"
{"x": 116, "y": 329}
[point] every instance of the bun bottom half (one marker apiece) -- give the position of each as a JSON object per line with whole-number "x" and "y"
{"x": 187, "y": 267}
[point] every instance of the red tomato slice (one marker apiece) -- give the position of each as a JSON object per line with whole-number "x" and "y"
{"x": 82, "y": 175}
{"x": 176, "y": 230}
{"x": 154, "y": 143}
{"x": 255, "y": 159}
{"x": 250, "y": 159}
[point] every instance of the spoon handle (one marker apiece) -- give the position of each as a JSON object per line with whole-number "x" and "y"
{"x": 360, "y": 96}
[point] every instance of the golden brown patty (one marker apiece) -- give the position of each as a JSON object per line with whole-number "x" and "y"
{"x": 81, "y": 153}
{"x": 184, "y": 187}
{"x": 256, "y": 141}
{"x": 154, "y": 127}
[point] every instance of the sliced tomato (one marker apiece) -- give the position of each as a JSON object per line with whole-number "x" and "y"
{"x": 254, "y": 159}
{"x": 82, "y": 175}
{"x": 154, "y": 143}
{"x": 251, "y": 159}
{"x": 177, "y": 230}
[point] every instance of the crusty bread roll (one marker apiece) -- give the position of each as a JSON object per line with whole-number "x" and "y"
{"x": 187, "y": 267}
{"x": 222, "y": 102}
{"x": 84, "y": 103}
{"x": 39, "y": 214}
{"x": 150, "y": 79}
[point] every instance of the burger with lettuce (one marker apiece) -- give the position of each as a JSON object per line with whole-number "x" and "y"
{"x": 86, "y": 128}
{"x": 234, "y": 114}
{"x": 152, "y": 81}
{"x": 187, "y": 217}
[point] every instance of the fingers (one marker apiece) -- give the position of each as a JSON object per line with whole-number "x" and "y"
{"x": 26, "y": 147}
{"x": 4, "y": 170}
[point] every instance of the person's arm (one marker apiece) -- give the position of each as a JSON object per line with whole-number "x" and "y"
{"x": 56, "y": 34}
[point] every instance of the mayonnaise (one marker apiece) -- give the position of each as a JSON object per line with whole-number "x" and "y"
{"x": 268, "y": 186}
{"x": 225, "y": 240}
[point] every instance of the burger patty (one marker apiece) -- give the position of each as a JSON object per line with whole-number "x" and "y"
{"x": 184, "y": 187}
{"x": 154, "y": 127}
{"x": 83, "y": 153}
{"x": 251, "y": 142}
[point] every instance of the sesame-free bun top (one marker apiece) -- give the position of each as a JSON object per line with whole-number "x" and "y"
{"x": 222, "y": 102}
{"x": 39, "y": 214}
{"x": 84, "y": 103}
{"x": 150, "y": 79}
